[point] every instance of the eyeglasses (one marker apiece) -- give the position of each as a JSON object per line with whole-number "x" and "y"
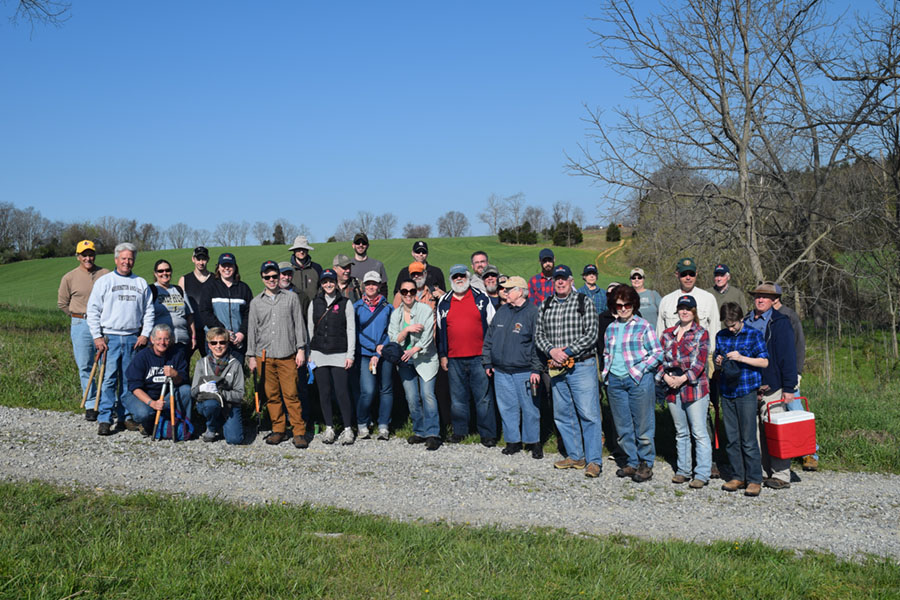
{"x": 270, "y": 277}
{"x": 620, "y": 306}
{"x": 217, "y": 343}
{"x": 458, "y": 276}
{"x": 636, "y": 276}
{"x": 688, "y": 274}
{"x": 407, "y": 292}
{"x": 164, "y": 270}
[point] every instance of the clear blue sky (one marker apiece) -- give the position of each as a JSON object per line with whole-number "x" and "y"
{"x": 206, "y": 111}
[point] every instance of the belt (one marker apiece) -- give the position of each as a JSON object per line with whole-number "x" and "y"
{"x": 584, "y": 358}
{"x": 78, "y": 315}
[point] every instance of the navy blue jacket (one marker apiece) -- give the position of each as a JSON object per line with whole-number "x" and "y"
{"x": 781, "y": 374}
{"x": 509, "y": 343}
{"x": 482, "y": 302}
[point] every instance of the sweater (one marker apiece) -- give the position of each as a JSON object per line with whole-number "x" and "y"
{"x": 146, "y": 370}
{"x": 509, "y": 343}
{"x": 75, "y": 289}
{"x": 229, "y": 383}
{"x": 120, "y": 305}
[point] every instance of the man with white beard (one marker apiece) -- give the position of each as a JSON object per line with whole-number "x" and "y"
{"x": 463, "y": 315}
{"x": 425, "y": 292}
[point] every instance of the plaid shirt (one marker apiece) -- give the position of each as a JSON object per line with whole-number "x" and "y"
{"x": 749, "y": 342}
{"x": 690, "y": 356}
{"x": 561, "y": 326}
{"x": 540, "y": 288}
{"x": 639, "y": 345}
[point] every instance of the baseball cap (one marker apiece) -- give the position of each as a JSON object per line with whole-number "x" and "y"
{"x": 562, "y": 271}
{"x": 416, "y": 267}
{"x": 458, "y": 270}
{"x": 589, "y": 270}
{"x": 490, "y": 270}
{"x": 545, "y": 254}
{"x": 721, "y": 269}
{"x": 636, "y": 271}
{"x": 686, "y": 264}
{"x": 372, "y": 276}
{"x": 84, "y": 245}
{"x": 327, "y": 274}
{"x": 227, "y": 258}
{"x": 361, "y": 238}
{"x": 201, "y": 252}
{"x": 268, "y": 265}
{"x": 420, "y": 246}
{"x": 515, "y": 281}
{"x": 341, "y": 260}
{"x": 687, "y": 301}
{"x": 285, "y": 266}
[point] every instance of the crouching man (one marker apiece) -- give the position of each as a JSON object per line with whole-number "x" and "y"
{"x": 146, "y": 375}
{"x": 218, "y": 389}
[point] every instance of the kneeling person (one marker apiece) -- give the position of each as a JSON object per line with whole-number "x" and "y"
{"x": 218, "y": 389}
{"x": 146, "y": 375}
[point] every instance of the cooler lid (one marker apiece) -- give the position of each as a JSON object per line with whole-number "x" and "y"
{"x": 791, "y": 416}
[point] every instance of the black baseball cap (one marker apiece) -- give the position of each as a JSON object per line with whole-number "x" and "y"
{"x": 562, "y": 271}
{"x": 420, "y": 246}
{"x": 269, "y": 265}
{"x": 201, "y": 252}
{"x": 227, "y": 258}
{"x": 361, "y": 238}
{"x": 589, "y": 270}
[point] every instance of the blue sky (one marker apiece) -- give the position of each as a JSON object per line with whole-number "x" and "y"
{"x": 211, "y": 111}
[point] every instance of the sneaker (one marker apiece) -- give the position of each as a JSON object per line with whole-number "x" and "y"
{"x": 130, "y": 425}
{"x": 512, "y": 448}
{"x": 697, "y": 484}
{"x": 363, "y": 432}
{"x": 776, "y": 484}
{"x": 104, "y": 429}
{"x": 568, "y": 463}
{"x": 678, "y": 478}
{"x": 626, "y": 471}
{"x": 753, "y": 489}
{"x": 432, "y": 442}
{"x": 208, "y": 436}
{"x": 456, "y": 439}
{"x": 275, "y": 438}
{"x": 592, "y": 470}
{"x": 416, "y": 439}
{"x": 488, "y": 442}
{"x": 537, "y": 451}
{"x": 90, "y": 415}
{"x": 809, "y": 463}
{"x": 328, "y": 435}
{"x": 383, "y": 434}
{"x": 346, "y": 438}
{"x": 300, "y": 441}
{"x": 734, "y": 485}
{"x": 643, "y": 473}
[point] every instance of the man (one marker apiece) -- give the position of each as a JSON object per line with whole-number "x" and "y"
{"x": 306, "y": 272}
{"x": 349, "y": 286}
{"x": 193, "y": 284}
{"x": 362, "y": 263}
{"x": 779, "y": 378}
{"x": 650, "y": 299}
{"x": 434, "y": 277}
{"x": 74, "y": 291}
{"x": 567, "y": 334}
{"x": 479, "y": 263}
{"x": 120, "y": 317}
{"x": 424, "y": 293}
{"x": 541, "y": 285}
{"x": 276, "y": 326}
{"x": 463, "y": 315}
{"x": 146, "y": 375}
{"x": 591, "y": 289}
{"x": 723, "y": 292}
{"x": 707, "y": 308}
{"x": 490, "y": 276}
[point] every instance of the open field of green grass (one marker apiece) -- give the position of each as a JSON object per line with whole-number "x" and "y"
{"x": 57, "y": 543}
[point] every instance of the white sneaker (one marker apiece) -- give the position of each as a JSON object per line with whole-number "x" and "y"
{"x": 363, "y": 432}
{"x": 328, "y": 435}
{"x": 346, "y": 438}
{"x": 383, "y": 433}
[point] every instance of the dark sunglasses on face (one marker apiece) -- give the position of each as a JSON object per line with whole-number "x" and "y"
{"x": 407, "y": 292}
{"x": 270, "y": 277}
{"x": 620, "y": 306}
{"x": 420, "y": 252}
{"x": 636, "y": 276}
{"x": 458, "y": 276}
{"x": 688, "y": 274}
{"x": 164, "y": 270}
{"x": 217, "y": 342}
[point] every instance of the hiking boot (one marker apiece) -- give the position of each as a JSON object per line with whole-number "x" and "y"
{"x": 697, "y": 484}
{"x": 488, "y": 442}
{"x": 275, "y": 438}
{"x": 143, "y": 430}
{"x": 626, "y": 471}
{"x": 328, "y": 435}
{"x": 90, "y": 415}
{"x": 208, "y": 436}
{"x": 643, "y": 473}
{"x": 592, "y": 470}
{"x": 300, "y": 441}
{"x": 734, "y": 485}
{"x": 776, "y": 484}
{"x": 363, "y": 432}
{"x": 130, "y": 425}
{"x": 512, "y": 448}
{"x": 753, "y": 489}
{"x": 383, "y": 434}
{"x": 714, "y": 472}
{"x": 537, "y": 451}
{"x": 416, "y": 439}
{"x": 809, "y": 463}
{"x": 104, "y": 429}
{"x": 568, "y": 463}
{"x": 432, "y": 442}
{"x": 679, "y": 478}
{"x": 456, "y": 438}
{"x": 346, "y": 438}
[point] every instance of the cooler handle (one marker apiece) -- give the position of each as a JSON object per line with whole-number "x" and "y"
{"x": 768, "y": 404}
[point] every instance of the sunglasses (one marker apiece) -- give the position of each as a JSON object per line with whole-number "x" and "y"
{"x": 270, "y": 277}
{"x": 407, "y": 292}
{"x": 688, "y": 274}
{"x": 636, "y": 276}
{"x": 368, "y": 283}
{"x": 217, "y": 343}
{"x": 620, "y": 306}
{"x": 458, "y": 276}
{"x": 420, "y": 252}
{"x": 164, "y": 270}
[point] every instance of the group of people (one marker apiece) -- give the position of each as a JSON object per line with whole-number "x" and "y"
{"x": 507, "y": 347}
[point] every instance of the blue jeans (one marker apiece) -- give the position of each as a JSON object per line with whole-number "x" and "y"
{"x": 576, "y": 411}
{"x": 467, "y": 378}
{"x": 118, "y": 356}
{"x": 84, "y": 351}
{"x": 797, "y": 404}
{"x": 690, "y": 421}
{"x": 739, "y": 415}
{"x": 515, "y": 401}
{"x": 367, "y": 385}
{"x": 631, "y": 404}
{"x": 423, "y": 407}
{"x": 144, "y": 415}
{"x": 225, "y": 419}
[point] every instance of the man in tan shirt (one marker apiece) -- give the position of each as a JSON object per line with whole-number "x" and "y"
{"x": 74, "y": 291}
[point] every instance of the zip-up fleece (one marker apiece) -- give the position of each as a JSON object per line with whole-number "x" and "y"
{"x": 509, "y": 342}
{"x": 229, "y": 382}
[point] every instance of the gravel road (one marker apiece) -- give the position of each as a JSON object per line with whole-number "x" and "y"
{"x": 848, "y": 514}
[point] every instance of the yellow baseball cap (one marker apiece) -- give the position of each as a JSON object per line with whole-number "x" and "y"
{"x": 84, "y": 245}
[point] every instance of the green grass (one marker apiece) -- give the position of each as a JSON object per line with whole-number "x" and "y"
{"x": 57, "y": 543}
{"x": 35, "y": 283}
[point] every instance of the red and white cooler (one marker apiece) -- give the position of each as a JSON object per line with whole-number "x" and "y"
{"x": 790, "y": 434}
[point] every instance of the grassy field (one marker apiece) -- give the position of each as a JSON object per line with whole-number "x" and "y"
{"x": 35, "y": 283}
{"x": 57, "y": 543}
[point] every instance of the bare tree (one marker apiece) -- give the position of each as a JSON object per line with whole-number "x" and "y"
{"x": 364, "y": 222}
{"x": 345, "y": 231}
{"x": 227, "y": 233}
{"x": 28, "y": 229}
{"x": 536, "y": 216}
{"x": 178, "y": 235}
{"x": 514, "y": 205}
{"x": 50, "y": 12}
{"x": 578, "y": 216}
{"x": 411, "y": 231}
{"x": 453, "y": 224}
{"x": 384, "y": 225}
{"x": 7, "y": 211}
{"x": 262, "y": 232}
{"x": 147, "y": 237}
{"x": 201, "y": 237}
{"x": 492, "y": 216}
{"x": 561, "y": 212}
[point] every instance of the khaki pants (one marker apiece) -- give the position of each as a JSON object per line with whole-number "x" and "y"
{"x": 775, "y": 468}
{"x": 280, "y": 377}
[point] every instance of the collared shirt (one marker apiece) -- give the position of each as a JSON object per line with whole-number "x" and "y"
{"x": 561, "y": 325}
{"x": 540, "y": 288}
{"x": 598, "y": 295}
{"x": 750, "y": 343}
{"x": 758, "y": 322}
{"x": 638, "y": 344}
{"x": 275, "y": 325}
{"x": 690, "y": 356}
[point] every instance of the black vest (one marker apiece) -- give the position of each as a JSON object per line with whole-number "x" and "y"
{"x": 330, "y": 332}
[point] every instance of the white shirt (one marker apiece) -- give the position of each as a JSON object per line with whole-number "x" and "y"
{"x": 707, "y": 312}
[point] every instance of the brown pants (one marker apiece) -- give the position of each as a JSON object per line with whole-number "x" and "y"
{"x": 280, "y": 377}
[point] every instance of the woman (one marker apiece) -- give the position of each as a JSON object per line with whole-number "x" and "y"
{"x": 226, "y": 304}
{"x": 683, "y": 371}
{"x": 171, "y": 307}
{"x": 631, "y": 353}
{"x": 218, "y": 389}
{"x": 412, "y": 326}
{"x": 373, "y": 312}
{"x": 741, "y": 355}
{"x": 332, "y": 335}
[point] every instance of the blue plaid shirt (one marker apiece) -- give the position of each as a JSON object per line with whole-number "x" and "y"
{"x": 750, "y": 343}
{"x": 598, "y": 295}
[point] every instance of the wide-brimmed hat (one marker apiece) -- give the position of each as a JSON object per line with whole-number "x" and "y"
{"x": 766, "y": 288}
{"x": 301, "y": 243}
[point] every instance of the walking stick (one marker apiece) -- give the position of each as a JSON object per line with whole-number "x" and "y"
{"x": 100, "y": 380}
{"x": 256, "y": 381}
{"x": 162, "y": 395}
{"x": 87, "y": 389}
